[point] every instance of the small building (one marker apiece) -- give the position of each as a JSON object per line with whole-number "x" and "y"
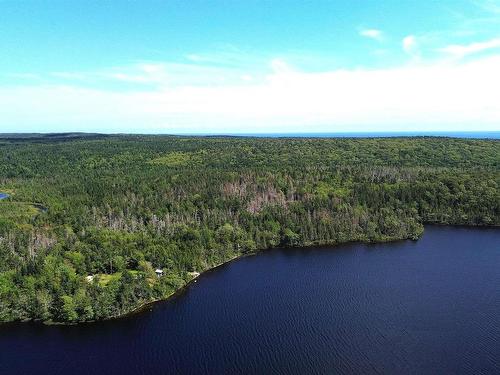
{"x": 90, "y": 278}
{"x": 159, "y": 272}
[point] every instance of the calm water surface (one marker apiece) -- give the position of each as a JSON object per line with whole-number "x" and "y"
{"x": 426, "y": 307}
{"x": 3, "y": 195}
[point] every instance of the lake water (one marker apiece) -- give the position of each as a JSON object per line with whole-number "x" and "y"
{"x": 3, "y": 196}
{"x": 426, "y": 307}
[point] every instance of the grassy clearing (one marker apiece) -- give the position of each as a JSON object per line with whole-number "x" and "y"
{"x": 18, "y": 212}
{"x": 104, "y": 278}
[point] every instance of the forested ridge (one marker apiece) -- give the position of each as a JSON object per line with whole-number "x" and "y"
{"x": 89, "y": 219}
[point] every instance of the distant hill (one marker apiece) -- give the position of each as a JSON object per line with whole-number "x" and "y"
{"x": 34, "y": 137}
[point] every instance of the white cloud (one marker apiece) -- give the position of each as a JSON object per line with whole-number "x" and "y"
{"x": 410, "y": 45}
{"x": 372, "y": 34}
{"x": 455, "y": 94}
{"x": 459, "y": 51}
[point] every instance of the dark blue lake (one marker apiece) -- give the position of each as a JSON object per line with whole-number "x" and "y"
{"x": 426, "y": 307}
{"x": 3, "y": 195}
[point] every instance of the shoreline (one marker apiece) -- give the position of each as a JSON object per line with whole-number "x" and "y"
{"x": 140, "y": 308}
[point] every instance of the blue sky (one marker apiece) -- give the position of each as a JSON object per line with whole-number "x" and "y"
{"x": 249, "y": 66}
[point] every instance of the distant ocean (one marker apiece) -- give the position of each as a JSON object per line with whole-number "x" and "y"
{"x": 477, "y": 135}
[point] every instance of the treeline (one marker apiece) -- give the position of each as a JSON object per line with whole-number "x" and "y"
{"x": 88, "y": 221}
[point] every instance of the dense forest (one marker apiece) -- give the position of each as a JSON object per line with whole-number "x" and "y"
{"x": 89, "y": 219}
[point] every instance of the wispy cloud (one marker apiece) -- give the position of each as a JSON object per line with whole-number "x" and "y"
{"x": 147, "y": 73}
{"x": 410, "y": 45}
{"x": 492, "y": 6}
{"x": 460, "y": 51}
{"x": 156, "y": 74}
{"x": 372, "y": 34}
{"x": 24, "y": 76}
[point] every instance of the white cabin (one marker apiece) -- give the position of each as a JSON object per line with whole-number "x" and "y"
{"x": 159, "y": 272}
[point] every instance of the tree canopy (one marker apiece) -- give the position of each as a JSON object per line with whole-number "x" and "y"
{"x": 89, "y": 219}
